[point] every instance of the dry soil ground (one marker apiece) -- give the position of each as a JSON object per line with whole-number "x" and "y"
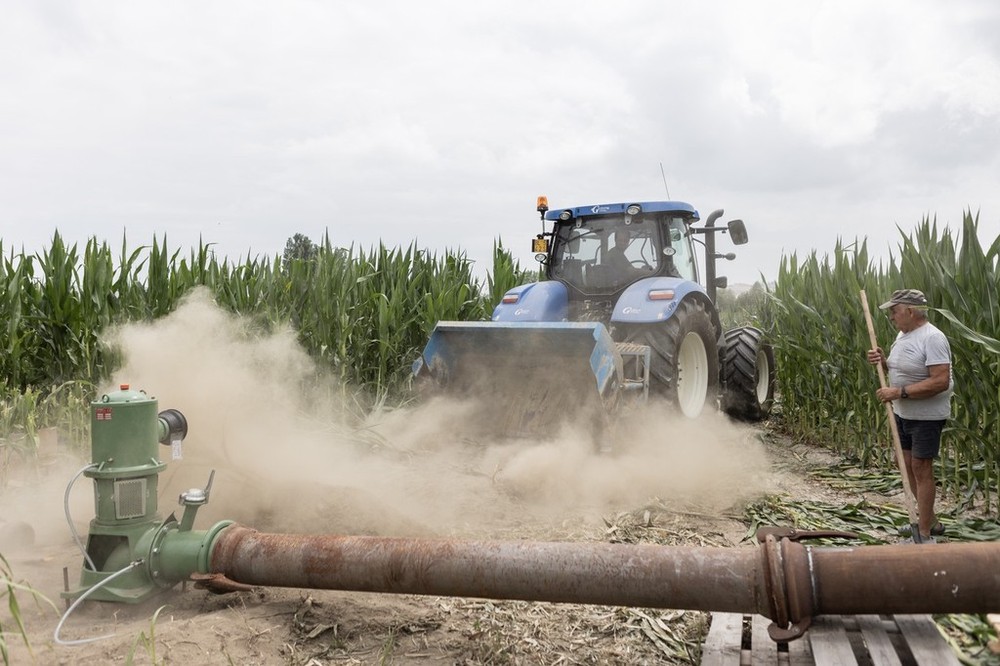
{"x": 686, "y": 488}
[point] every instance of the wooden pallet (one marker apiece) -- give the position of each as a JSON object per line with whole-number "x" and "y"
{"x": 735, "y": 639}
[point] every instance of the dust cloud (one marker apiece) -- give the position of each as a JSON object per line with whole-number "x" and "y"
{"x": 34, "y": 503}
{"x": 293, "y": 451}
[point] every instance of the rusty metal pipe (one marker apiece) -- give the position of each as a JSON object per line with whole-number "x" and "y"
{"x": 650, "y": 576}
{"x": 782, "y": 580}
{"x": 943, "y": 578}
{"x": 805, "y": 581}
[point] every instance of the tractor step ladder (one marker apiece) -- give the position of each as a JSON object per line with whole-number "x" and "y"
{"x": 635, "y": 367}
{"x": 735, "y": 639}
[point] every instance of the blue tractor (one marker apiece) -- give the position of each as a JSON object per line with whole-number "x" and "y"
{"x": 622, "y": 317}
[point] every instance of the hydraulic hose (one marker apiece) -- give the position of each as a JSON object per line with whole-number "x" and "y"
{"x": 81, "y": 599}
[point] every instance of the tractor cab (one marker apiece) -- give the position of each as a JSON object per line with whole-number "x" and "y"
{"x": 598, "y": 251}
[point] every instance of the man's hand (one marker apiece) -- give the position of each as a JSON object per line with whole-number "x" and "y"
{"x": 889, "y": 393}
{"x": 876, "y": 356}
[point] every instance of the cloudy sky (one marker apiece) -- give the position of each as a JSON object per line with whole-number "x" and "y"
{"x": 244, "y": 122}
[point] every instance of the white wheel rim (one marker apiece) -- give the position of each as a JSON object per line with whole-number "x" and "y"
{"x": 763, "y": 377}
{"x": 692, "y": 375}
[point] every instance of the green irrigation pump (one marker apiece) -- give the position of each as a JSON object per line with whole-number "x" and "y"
{"x": 132, "y": 553}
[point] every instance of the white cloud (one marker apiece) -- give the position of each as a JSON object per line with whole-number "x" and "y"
{"x": 245, "y": 122}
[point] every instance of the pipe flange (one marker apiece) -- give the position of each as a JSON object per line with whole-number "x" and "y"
{"x": 786, "y": 568}
{"x": 154, "y": 554}
{"x": 775, "y": 573}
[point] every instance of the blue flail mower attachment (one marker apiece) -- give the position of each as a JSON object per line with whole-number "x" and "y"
{"x": 529, "y": 377}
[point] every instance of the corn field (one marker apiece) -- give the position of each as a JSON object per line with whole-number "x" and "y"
{"x": 364, "y": 315}
{"x": 827, "y": 386}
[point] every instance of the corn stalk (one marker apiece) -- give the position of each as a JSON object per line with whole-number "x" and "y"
{"x": 827, "y": 386}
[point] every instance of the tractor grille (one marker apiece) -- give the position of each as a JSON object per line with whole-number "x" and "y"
{"x": 130, "y": 498}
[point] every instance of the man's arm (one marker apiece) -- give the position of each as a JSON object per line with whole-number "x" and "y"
{"x": 940, "y": 377}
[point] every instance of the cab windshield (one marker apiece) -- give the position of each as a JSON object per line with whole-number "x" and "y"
{"x": 602, "y": 255}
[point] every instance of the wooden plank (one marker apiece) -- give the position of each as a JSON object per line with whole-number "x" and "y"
{"x": 887, "y": 623}
{"x": 799, "y": 652}
{"x": 994, "y": 619}
{"x": 724, "y": 641}
{"x": 829, "y": 643}
{"x": 926, "y": 643}
{"x": 763, "y": 650}
{"x": 877, "y": 641}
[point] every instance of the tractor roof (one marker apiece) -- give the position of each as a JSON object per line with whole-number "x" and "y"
{"x": 609, "y": 209}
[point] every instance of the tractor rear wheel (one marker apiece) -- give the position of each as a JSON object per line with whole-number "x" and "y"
{"x": 684, "y": 360}
{"x": 749, "y": 374}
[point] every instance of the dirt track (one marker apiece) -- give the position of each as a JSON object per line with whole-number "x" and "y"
{"x": 537, "y": 492}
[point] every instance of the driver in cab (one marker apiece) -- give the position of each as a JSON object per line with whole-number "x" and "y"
{"x": 615, "y": 258}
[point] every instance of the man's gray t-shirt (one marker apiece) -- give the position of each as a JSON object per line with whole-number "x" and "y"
{"x": 909, "y": 357}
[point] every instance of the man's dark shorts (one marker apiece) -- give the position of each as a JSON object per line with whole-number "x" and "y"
{"x": 921, "y": 438}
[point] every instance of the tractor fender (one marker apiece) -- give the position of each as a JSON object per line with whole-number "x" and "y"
{"x": 634, "y": 306}
{"x": 537, "y": 301}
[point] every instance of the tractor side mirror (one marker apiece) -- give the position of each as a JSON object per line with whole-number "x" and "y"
{"x": 738, "y": 232}
{"x": 721, "y": 282}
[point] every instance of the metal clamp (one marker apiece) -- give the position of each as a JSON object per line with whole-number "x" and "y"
{"x": 217, "y": 583}
{"x": 787, "y": 578}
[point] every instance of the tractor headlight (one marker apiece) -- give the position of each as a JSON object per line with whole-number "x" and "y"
{"x": 633, "y": 209}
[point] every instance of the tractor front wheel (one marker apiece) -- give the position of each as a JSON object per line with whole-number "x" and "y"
{"x": 684, "y": 360}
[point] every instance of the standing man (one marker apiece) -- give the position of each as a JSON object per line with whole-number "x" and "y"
{"x": 920, "y": 388}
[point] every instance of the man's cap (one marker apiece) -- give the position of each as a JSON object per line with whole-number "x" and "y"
{"x": 905, "y": 297}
